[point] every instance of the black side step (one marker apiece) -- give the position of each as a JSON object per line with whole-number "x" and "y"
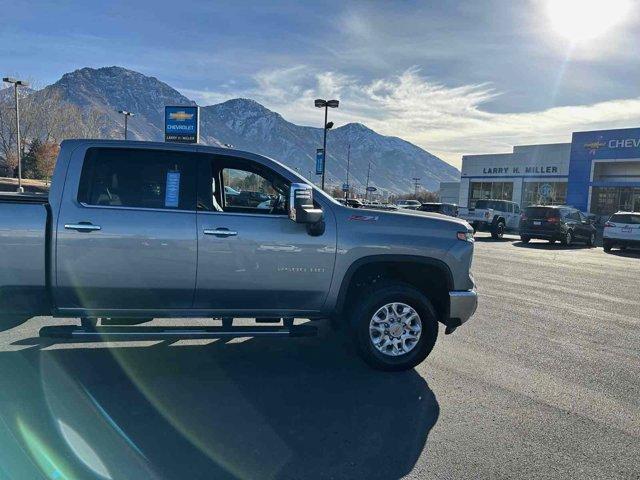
{"x": 163, "y": 333}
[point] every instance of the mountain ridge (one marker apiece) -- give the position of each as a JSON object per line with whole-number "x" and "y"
{"x": 248, "y": 125}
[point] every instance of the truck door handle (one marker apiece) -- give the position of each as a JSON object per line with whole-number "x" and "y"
{"x": 82, "y": 227}
{"x": 220, "y": 232}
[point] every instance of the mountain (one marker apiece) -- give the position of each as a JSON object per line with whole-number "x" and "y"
{"x": 247, "y": 125}
{"x": 110, "y": 89}
{"x": 7, "y": 94}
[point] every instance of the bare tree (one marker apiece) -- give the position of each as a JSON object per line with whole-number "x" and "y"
{"x": 45, "y": 116}
{"x": 45, "y": 156}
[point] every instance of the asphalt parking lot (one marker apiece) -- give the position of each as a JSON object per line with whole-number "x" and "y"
{"x": 544, "y": 382}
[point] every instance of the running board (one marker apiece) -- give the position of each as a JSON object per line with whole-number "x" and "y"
{"x": 163, "y": 333}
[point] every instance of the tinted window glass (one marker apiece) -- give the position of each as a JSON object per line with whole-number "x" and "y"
{"x": 483, "y": 204}
{"x": 540, "y": 212}
{"x": 122, "y": 177}
{"x": 625, "y": 218}
{"x": 247, "y": 191}
{"x": 430, "y": 207}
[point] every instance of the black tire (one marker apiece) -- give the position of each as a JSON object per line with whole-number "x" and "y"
{"x": 591, "y": 241}
{"x": 606, "y": 246}
{"x": 567, "y": 240}
{"x": 497, "y": 232}
{"x": 525, "y": 239}
{"x": 369, "y": 302}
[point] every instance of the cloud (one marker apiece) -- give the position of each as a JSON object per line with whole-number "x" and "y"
{"x": 447, "y": 121}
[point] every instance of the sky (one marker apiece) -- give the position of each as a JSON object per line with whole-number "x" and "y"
{"x": 454, "y": 77}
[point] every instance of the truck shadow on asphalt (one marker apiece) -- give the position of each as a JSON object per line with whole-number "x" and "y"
{"x": 260, "y": 408}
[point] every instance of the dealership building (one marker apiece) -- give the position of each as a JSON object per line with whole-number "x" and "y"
{"x": 598, "y": 172}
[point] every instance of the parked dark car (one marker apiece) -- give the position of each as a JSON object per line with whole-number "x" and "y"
{"x": 556, "y": 223}
{"x": 450, "y": 209}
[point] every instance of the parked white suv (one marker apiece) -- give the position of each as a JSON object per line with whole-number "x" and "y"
{"x": 495, "y": 216}
{"x": 622, "y": 230}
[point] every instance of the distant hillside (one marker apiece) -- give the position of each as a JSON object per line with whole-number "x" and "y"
{"x": 247, "y": 125}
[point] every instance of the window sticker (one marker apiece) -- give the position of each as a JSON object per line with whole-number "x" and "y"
{"x": 172, "y": 192}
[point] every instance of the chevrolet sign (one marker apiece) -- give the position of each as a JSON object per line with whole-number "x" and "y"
{"x": 181, "y": 124}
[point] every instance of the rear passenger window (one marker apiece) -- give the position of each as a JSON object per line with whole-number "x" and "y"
{"x": 138, "y": 178}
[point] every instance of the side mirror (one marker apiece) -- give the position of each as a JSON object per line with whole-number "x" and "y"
{"x": 301, "y": 208}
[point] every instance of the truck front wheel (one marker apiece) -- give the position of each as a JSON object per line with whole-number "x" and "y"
{"x": 394, "y": 326}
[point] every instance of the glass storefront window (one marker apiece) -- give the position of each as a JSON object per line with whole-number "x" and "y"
{"x": 544, "y": 193}
{"x": 608, "y": 200}
{"x": 490, "y": 190}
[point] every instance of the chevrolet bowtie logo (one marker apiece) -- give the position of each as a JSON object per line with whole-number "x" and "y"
{"x": 181, "y": 116}
{"x": 594, "y": 146}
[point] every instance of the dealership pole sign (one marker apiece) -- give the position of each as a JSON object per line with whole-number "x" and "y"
{"x": 182, "y": 124}
{"x": 319, "y": 161}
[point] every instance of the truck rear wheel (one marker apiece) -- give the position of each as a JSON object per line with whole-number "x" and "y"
{"x": 394, "y": 326}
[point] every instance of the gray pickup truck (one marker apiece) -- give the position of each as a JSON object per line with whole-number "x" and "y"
{"x": 132, "y": 231}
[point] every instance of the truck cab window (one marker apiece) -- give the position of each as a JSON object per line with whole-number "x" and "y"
{"x": 137, "y": 178}
{"x": 253, "y": 191}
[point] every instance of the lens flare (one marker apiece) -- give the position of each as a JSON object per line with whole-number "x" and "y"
{"x": 582, "y": 20}
{"x": 50, "y": 465}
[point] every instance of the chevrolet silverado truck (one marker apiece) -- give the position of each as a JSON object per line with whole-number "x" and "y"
{"x": 132, "y": 231}
{"x": 495, "y": 216}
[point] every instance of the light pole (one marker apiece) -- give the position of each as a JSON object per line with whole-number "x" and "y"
{"x": 17, "y": 83}
{"x": 366, "y": 191}
{"x": 346, "y": 193}
{"x": 326, "y": 104}
{"x": 126, "y": 117}
{"x": 416, "y": 185}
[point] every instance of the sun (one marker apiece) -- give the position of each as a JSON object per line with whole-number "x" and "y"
{"x": 582, "y": 20}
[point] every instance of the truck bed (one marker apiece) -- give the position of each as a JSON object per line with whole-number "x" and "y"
{"x": 13, "y": 197}
{"x": 23, "y": 252}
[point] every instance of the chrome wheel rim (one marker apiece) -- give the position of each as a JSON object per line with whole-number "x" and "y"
{"x": 395, "y": 329}
{"x": 569, "y": 238}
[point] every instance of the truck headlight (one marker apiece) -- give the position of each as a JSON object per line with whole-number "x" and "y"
{"x": 465, "y": 236}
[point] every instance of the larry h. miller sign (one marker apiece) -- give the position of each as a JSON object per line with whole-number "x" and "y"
{"x": 182, "y": 124}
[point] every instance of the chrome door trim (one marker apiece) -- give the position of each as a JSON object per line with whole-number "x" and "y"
{"x": 143, "y": 209}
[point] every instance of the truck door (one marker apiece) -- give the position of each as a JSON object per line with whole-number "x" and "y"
{"x": 126, "y": 232}
{"x": 251, "y": 255}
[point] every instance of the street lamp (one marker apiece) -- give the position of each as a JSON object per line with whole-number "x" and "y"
{"x": 17, "y": 83}
{"x": 326, "y": 104}
{"x": 126, "y": 116}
